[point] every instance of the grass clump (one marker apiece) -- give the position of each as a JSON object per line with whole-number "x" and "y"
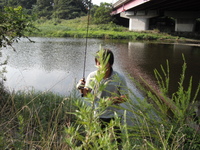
{"x": 38, "y": 120}
{"x": 175, "y": 124}
{"x": 78, "y": 27}
{"x": 34, "y": 120}
{"x": 159, "y": 121}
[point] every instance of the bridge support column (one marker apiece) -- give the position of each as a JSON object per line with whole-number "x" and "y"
{"x": 138, "y": 23}
{"x": 139, "y": 20}
{"x": 185, "y": 21}
{"x": 184, "y": 25}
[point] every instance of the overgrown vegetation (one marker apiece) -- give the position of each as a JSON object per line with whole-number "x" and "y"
{"x": 47, "y": 121}
{"x": 44, "y": 120}
{"x": 77, "y": 28}
{"x": 68, "y": 19}
{"x": 34, "y": 120}
{"x": 102, "y": 14}
{"x": 63, "y": 9}
{"x": 14, "y": 24}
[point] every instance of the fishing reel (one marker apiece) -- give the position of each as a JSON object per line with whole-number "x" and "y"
{"x": 81, "y": 84}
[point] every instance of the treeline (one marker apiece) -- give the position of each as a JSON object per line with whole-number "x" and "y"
{"x": 62, "y": 9}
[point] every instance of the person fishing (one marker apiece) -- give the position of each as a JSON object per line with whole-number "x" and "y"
{"x": 115, "y": 89}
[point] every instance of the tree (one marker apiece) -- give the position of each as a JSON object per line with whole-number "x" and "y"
{"x": 28, "y": 4}
{"x": 24, "y": 3}
{"x": 14, "y": 24}
{"x": 62, "y": 9}
{"x": 69, "y": 9}
{"x": 93, "y": 10}
{"x": 44, "y": 8}
{"x": 102, "y": 14}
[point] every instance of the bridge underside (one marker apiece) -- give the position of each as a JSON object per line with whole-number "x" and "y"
{"x": 169, "y": 5}
{"x": 185, "y": 12}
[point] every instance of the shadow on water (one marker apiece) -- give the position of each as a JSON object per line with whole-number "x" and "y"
{"x": 143, "y": 58}
{"x": 55, "y": 64}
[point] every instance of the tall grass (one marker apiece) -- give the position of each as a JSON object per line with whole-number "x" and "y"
{"x": 167, "y": 122}
{"x": 77, "y": 28}
{"x": 44, "y": 120}
{"x": 34, "y": 120}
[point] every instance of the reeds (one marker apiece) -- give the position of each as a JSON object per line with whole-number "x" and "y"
{"x": 77, "y": 28}
{"x": 44, "y": 120}
{"x": 34, "y": 120}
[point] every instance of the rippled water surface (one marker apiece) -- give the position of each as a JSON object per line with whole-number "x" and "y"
{"x": 55, "y": 64}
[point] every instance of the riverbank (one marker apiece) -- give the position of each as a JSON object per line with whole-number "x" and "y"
{"x": 38, "y": 120}
{"x": 77, "y": 28}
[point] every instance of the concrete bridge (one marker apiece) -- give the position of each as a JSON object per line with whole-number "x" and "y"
{"x": 185, "y": 12}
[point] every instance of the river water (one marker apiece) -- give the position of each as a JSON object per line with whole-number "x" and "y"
{"x": 56, "y": 64}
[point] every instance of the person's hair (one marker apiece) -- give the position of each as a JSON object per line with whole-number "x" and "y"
{"x": 107, "y": 53}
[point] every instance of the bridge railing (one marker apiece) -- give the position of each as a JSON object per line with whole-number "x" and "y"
{"x": 120, "y": 2}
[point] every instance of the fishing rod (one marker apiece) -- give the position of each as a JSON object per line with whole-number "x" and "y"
{"x": 86, "y": 42}
{"x": 81, "y": 83}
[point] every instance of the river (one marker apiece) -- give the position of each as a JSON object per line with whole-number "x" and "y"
{"x": 56, "y": 64}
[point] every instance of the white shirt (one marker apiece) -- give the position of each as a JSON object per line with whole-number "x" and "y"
{"x": 114, "y": 86}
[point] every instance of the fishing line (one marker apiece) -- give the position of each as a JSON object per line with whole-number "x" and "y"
{"x": 86, "y": 42}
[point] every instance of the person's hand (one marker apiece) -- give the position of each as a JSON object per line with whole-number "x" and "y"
{"x": 81, "y": 84}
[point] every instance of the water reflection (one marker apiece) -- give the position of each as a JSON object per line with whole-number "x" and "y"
{"x": 56, "y": 63}
{"x": 48, "y": 64}
{"x": 146, "y": 57}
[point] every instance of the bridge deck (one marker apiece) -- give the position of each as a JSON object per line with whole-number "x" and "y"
{"x": 160, "y": 5}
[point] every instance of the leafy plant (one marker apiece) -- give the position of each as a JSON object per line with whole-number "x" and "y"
{"x": 102, "y": 14}
{"x": 152, "y": 125}
{"x": 175, "y": 113}
{"x": 88, "y": 131}
{"x": 14, "y": 24}
{"x": 36, "y": 120}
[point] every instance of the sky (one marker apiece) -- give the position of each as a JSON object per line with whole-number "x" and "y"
{"x": 97, "y": 2}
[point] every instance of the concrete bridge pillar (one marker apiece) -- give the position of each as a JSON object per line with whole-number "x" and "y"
{"x": 184, "y": 25}
{"x": 138, "y": 23}
{"x": 185, "y": 21}
{"x": 139, "y": 20}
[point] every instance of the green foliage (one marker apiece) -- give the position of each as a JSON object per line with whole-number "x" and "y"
{"x": 69, "y": 9}
{"x": 93, "y": 10}
{"x": 110, "y": 27}
{"x": 14, "y": 23}
{"x": 180, "y": 103}
{"x": 62, "y": 9}
{"x": 78, "y": 27}
{"x": 13, "y": 3}
{"x": 35, "y": 120}
{"x": 192, "y": 138}
{"x": 176, "y": 113}
{"x": 152, "y": 127}
{"x": 93, "y": 136}
{"x": 102, "y": 14}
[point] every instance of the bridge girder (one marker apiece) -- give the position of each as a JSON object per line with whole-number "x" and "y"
{"x": 163, "y": 5}
{"x": 185, "y": 12}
